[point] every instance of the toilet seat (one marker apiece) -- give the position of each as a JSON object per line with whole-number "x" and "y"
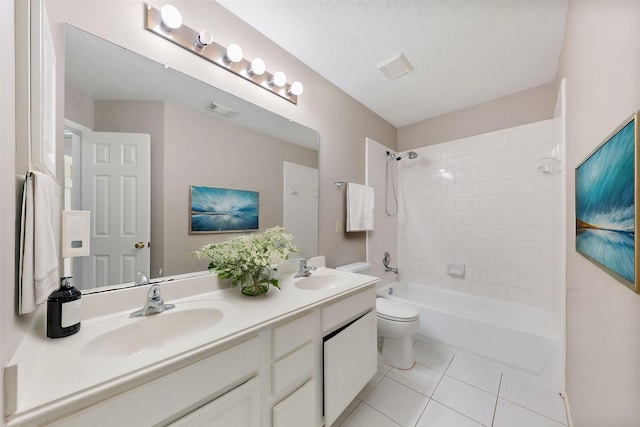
{"x": 395, "y": 311}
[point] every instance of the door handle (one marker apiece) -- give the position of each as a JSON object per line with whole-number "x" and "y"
{"x": 139, "y": 245}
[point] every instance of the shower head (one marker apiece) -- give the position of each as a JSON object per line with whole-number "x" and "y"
{"x": 412, "y": 155}
{"x": 394, "y": 157}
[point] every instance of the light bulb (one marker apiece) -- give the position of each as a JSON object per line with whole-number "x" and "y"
{"x": 234, "y": 53}
{"x": 257, "y": 67}
{"x": 279, "y": 79}
{"x": 171, "y": 17}
{"x": 296, "y": 89}
{"x": 204, "y": 38}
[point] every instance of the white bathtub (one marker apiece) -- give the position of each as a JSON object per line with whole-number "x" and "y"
{"x": 520, "y": 338}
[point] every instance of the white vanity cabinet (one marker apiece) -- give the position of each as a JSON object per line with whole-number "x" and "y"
{"x": 221, "y": 382}
{"x": 296, "y": 363}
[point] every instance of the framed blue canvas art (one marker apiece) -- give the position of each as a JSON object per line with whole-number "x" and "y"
{"x": 221, "y": 210}
{"x": 606, "y": 212}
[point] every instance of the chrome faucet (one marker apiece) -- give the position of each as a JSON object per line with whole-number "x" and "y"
{"x": 392, "y": 269}
{"x": 304, "y": 271}
{"x": 141, "y": 279}
{"x": 154, "y": 303}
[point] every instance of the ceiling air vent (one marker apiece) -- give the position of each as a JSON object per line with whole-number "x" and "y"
{"x": 222, "y": 110}
{"x": 395, "y": 67}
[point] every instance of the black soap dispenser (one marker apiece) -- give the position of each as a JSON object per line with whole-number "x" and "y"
{"x": 64, "y": 310}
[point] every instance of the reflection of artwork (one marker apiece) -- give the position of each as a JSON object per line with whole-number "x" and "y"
{"x": 220, "y": 210}
{"x": 605, "y": 205}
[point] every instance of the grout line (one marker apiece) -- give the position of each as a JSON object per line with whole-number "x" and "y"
{"x": 457, "y": 412}
{"x": 535, "y": 412}
{"x": 474, "y": 386}
{"x": 495, "y": 407}
{"x": 349, "y": 414}
{"x": 418, "y": 391}
{"x": 424, "y": 410}
{"x": 390, "y": 419}
{"x": 441, "y": 378}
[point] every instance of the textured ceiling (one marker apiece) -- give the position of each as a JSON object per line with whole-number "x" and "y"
{"x": 463, "y": 52}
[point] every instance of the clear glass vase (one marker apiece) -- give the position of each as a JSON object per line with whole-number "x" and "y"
{"x": 252, "y": 285}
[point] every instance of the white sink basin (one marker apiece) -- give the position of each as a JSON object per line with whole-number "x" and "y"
{"x": 320, "y": 282}
{"x": 148, "y": 333}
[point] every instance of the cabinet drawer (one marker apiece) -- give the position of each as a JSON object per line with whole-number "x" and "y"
{"x": 238, "y": 408}
{"x": 170, "y": 395}
{"x": 292, "y": 368}
{"x": 293, "y": 334}
{"x": 299, "y": 409}
{"x": 341, "y": 312}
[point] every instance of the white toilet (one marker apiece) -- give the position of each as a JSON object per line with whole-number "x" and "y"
{"x": 397, "y": 323}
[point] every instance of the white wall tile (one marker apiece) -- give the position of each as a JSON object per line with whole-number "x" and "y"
{"x": 490, "y": 209}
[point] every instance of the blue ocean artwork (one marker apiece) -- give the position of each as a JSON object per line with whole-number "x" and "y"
{"x": 222, "y": 209}
{"x": 605, "y": 206}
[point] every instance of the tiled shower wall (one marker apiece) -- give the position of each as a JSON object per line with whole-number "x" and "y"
{"x": 485, "y": 202}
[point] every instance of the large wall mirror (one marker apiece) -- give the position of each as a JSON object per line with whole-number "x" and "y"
{"x": 138, "y": 135}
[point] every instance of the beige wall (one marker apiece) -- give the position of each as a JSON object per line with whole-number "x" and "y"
{"x": 601, "y": 62}
{"x": 78, "y": 108}
{"x": 521, "y": 108}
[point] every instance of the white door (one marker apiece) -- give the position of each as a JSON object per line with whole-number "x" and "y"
{"x": 116, "y": 175}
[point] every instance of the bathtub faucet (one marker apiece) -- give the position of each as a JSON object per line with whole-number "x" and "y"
{"x": 388, "y": 269}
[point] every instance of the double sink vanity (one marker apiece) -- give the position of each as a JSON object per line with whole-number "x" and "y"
{"x": 291, "y": 357}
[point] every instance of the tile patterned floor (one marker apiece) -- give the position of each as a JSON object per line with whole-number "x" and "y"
{"x": 443, "y": 390}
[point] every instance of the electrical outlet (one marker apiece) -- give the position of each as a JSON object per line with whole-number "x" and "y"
{"x": 338, "y": 225}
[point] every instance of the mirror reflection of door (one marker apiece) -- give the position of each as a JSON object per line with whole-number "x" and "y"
{"x": 110, "y": 176}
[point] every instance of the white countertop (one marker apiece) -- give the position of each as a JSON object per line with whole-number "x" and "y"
{"x": 62, "y": 372}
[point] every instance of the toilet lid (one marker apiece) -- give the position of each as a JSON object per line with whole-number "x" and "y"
{"x": 394, "y": 310}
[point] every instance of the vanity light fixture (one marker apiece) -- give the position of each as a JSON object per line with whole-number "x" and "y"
{"x": 167, "y": 23}
{"x": 234, "y": 53}
{"x": 296, "y": 89}
{"x": 279, "y": 79}
{"x": 257, "y": 67}
{"x": 204, "y": 39}
{"x": 171, "y": 17}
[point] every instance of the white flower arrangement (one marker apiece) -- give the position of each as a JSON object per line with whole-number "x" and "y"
{"x": 247, "y": 259}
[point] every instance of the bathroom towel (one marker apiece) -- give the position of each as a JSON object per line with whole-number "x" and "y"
{"x": 360, "y": 204}
{"x": 38, "y": 250}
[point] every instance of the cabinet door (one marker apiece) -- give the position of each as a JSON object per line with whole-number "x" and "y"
{"x": 237, "y": 408}
{"x": 350, "y": 361}
{"x": 299, "y": 409}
